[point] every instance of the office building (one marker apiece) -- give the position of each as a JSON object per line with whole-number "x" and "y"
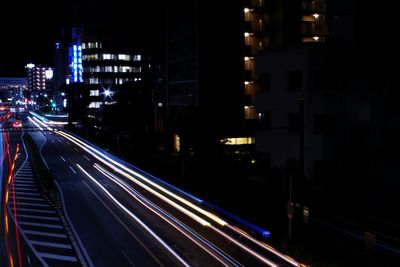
{"x": 40, "y": 79}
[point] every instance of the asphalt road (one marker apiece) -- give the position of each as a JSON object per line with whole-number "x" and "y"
{"x": 121, "y": 216}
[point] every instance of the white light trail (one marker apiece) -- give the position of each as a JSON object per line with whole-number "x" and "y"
{"x": 162, "y": 189}
{"x": 37, "y": 125}
{"x": 123, "y": 170}
{"x": 135, "y": 218}
{"x": 208, "y": 247}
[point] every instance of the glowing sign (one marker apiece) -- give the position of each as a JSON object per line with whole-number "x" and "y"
{"x": 49, "y": 74}
{"x": 76, "y": 64}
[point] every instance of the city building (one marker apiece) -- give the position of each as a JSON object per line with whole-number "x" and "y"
{"x": 109, "y": 66}
{"x": 12, "y": 90}
{"x": 205, "y": 72}
{"x": 40, "y": 78}
{"x": 83, "y": 57}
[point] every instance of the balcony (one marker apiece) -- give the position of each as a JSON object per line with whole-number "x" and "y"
{"x": 254, "y": 26}
{"x": 316, "y": 6}
{"x": 255, "y": 3}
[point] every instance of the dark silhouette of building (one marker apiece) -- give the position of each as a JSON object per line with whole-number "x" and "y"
{"x": 205, "y": 68}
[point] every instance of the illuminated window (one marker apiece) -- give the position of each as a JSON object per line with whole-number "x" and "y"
{"x": 91, "y": 45}
{"x": 250, "y": 113}
{"x": 108, "y": 69}
{"x": 106, "y": 56}
{"x": 126, "y": 69}
{"x": 94, "y": 93}
{"x": 124, "y": 57}
{"x": 136, "y": 69}
{"x": 234, "y": 141}
{"x": 137, "y": 58}
{"x": 94, "y": 105}
{"x": 177, "y": 143}
{"x": 91, "y": 57}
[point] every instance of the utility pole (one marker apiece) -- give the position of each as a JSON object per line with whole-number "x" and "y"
{"x": 301, "y": 141}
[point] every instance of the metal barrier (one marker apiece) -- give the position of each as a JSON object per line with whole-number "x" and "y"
{"x": 23, "y": 129}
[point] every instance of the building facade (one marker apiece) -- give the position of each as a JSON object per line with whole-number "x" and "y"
{"x": 40, "y": 79}
{"x": 205, "y": 69}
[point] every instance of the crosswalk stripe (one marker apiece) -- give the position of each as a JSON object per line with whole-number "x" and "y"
{"x": 30, "y": 204}
{"x": 39, "y": 217}
{"x": 36, "y": 210}
{"x": 26, "y": 189}
{"x": 50, "y": 244}
{"x": 30, "y": 232}
{"x": 16, "y": 178}
{"x": 57, "y": 257}
{"x": 23, "y": 172}
{"x": 29, "y": 198}
{"x": 25, "y": 193}
{"x": 41, "y": 225}
{"x": 23, "y": 175}
{"x": 24, "y": 185}
{"x": 17, "y": 181}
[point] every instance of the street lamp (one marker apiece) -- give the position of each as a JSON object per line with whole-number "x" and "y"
{"x": 107, "y": 92}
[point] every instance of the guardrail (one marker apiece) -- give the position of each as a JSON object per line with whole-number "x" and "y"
{"x": 23, "y": 129}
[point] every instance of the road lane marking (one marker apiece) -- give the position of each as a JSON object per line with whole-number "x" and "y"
{"x": 17, "y": 184}
{"x": 39, "y": 217}
{"x": 130, "y": 261}
{"x": 27, "y": 194}
{"x": 124, "y": 225}
{"x": 63, "y": 158}
{"x": 24, "y": 188}
{"x": 72, "y": 169}
{"x": 53, "y": 226}
{"x": 137, "y": 220}
{"x": 77, "y": 150}
{"x": 30, "y": 232}
{"x": 174, "y": 222}
{"x": 29, "y": 204}
{"x": 29, "y": 198}
{"x": 58, "y": 257}
{"x": 35, "y": 210}
{"x": 78, "y": 245}
{"x": 50, "y": 244}
{"x": 86, "y": 157}
{"x": 24, "y": 181}
{"x": 23, "y": 175}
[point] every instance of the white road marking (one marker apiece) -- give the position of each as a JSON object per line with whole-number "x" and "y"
{"x": 53, "y": 226}
{"x": 50, "y": 244}
{"x": 30, "y": 232}
{"x": 57, "y": 257}
{"x": 72, "y": 169}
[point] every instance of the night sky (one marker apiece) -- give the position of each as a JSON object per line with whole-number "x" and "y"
{"x": 29, "y": 29}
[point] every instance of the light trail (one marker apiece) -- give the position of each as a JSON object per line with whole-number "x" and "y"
{"x": 168, "y": 218}
{"x": 135, "y": 218}
{"x": 123, "y": 170}
{"x": 162, "y": 189}
{"x": 41, "y": 123}
{"x": 37, "y": 125}
{"x": 182, "y": 209}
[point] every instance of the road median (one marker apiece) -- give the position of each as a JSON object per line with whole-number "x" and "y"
{"x": 44, "y": 176}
